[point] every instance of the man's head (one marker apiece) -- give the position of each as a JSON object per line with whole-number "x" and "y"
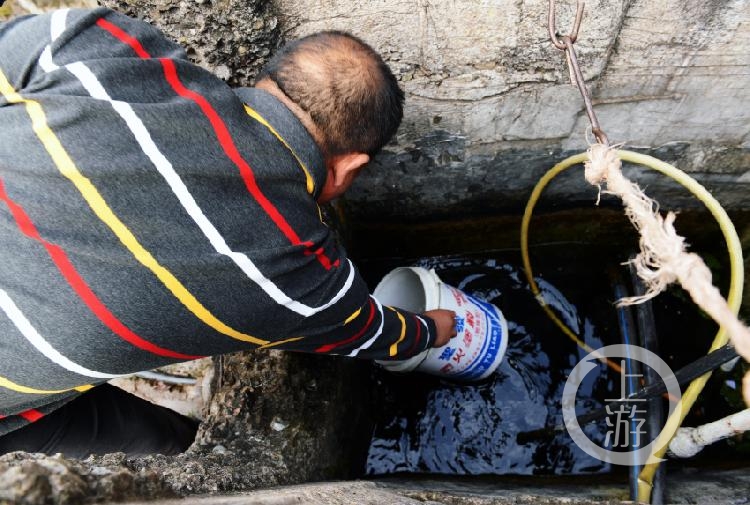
{"x": 344, "y": 94}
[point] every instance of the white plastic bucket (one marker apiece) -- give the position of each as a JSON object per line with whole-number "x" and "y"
{"x": 482, "y": 337}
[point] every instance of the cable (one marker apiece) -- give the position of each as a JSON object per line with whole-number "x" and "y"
{"x": 648, "y": 339}
{"x": 734, "y": 297}
{"x": 690, "y": 372}
{"x": 166, "y": 378}
{"x": 627, "y": 331}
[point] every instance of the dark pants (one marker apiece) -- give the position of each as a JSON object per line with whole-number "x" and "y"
{"x": 103, "y": 420}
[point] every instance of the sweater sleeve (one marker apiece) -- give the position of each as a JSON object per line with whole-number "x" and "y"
{"x": 374, "y": 331}
{"x": 333, "y": 311}
{"x": 359, "y": 325}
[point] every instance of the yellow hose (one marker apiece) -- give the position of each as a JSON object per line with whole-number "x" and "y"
{"x": 535, "y": 194}
{"x": 734, "y": 299}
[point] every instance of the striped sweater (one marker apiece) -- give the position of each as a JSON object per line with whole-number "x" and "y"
{"x": 149, "y": 214}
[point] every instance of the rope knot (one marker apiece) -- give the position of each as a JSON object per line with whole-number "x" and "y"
{"x": 601, "y": 159}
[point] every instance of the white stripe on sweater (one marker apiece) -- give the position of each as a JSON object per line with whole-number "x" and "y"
{"x": 6, "y": 303}
{"x": 33, "y": 336}
{"x": 58, "y": 22}
{"x": 372, "y": 340}
{"x": 164, "y": 167}
{"x": 426, "y": 329}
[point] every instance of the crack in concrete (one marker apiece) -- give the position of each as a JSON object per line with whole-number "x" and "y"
{"x": 637, "y": 98}
{"x": 612, "y": 47}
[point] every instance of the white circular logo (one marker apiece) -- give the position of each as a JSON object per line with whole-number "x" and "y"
{"x": 626, "y": 421}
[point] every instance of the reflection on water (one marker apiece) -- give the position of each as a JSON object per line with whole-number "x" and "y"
{"x": 426, "y": 424}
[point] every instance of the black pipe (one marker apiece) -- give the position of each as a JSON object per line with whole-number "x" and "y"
{"x": 683, "y": 376}
{"x": 632, "y": 369}
{"x": 655, "y": 411}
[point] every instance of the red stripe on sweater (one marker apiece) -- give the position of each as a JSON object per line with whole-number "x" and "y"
{"x": 330, "y": 347}
{"x": 225, "y": 140}
{"x": 417, "y": 337}
{"x": 69, "y": 272}
{"x": 123, "y": 36}
{"x": 31, "y": 415}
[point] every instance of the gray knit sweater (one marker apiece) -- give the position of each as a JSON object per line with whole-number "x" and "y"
{"x": 149, "y": 214}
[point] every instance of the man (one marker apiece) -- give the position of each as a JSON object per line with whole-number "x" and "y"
{"x": 150, "y": 215}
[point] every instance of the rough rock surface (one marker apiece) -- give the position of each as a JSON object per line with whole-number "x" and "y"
{"x": 371, "y": 493}
{"x": 490, "y": 107}
{"x": 705, "y": 486}
{"x": 33, "y": 479}
{"x": 311, "y": 410}
{"x": 232, "y": 38}
{"x": 276, "y": 418}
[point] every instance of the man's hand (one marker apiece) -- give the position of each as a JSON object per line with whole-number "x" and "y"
{"x": 445, "y": 322}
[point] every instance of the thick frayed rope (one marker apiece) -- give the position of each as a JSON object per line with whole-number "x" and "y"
{"x": 663, "y": 258}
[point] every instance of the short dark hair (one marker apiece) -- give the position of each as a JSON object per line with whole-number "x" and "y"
{"x": 345, "y": 86}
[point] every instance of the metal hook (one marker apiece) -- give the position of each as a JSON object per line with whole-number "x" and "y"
{"x": 553, "y": 29}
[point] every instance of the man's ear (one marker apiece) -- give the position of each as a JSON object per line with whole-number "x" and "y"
{"x": 342, "y": 170}
{"x": 345, "y": 168}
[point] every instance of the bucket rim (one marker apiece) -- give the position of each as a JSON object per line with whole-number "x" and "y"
{"x": 428, "y": 279}
{"x": 430, "y": 283}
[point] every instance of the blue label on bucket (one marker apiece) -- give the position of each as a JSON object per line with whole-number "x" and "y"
{"x": 490, "y": 347}
{"x": 459, "y": 324}
{"x": 447, "y": 353}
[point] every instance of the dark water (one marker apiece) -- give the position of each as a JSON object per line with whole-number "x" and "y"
{"x": 425, "y": 424}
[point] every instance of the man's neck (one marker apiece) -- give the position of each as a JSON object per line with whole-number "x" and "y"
{"x": 272, "y": 88}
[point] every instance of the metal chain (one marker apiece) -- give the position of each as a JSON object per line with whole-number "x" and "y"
{"x": 565, "y": 43}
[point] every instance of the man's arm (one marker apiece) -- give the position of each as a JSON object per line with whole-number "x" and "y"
{"x": 376, "y": 331}
{"x": 357, "y": 324}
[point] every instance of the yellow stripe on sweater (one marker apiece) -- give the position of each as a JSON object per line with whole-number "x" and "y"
{"x": 394, "y": 346}
{"x": 254, "y": 114}
{"x": 67, "y": 167}
{"x": 9, "y": 384}
{"x": 285, "y": 341}
{"x": 353, "y": 316}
